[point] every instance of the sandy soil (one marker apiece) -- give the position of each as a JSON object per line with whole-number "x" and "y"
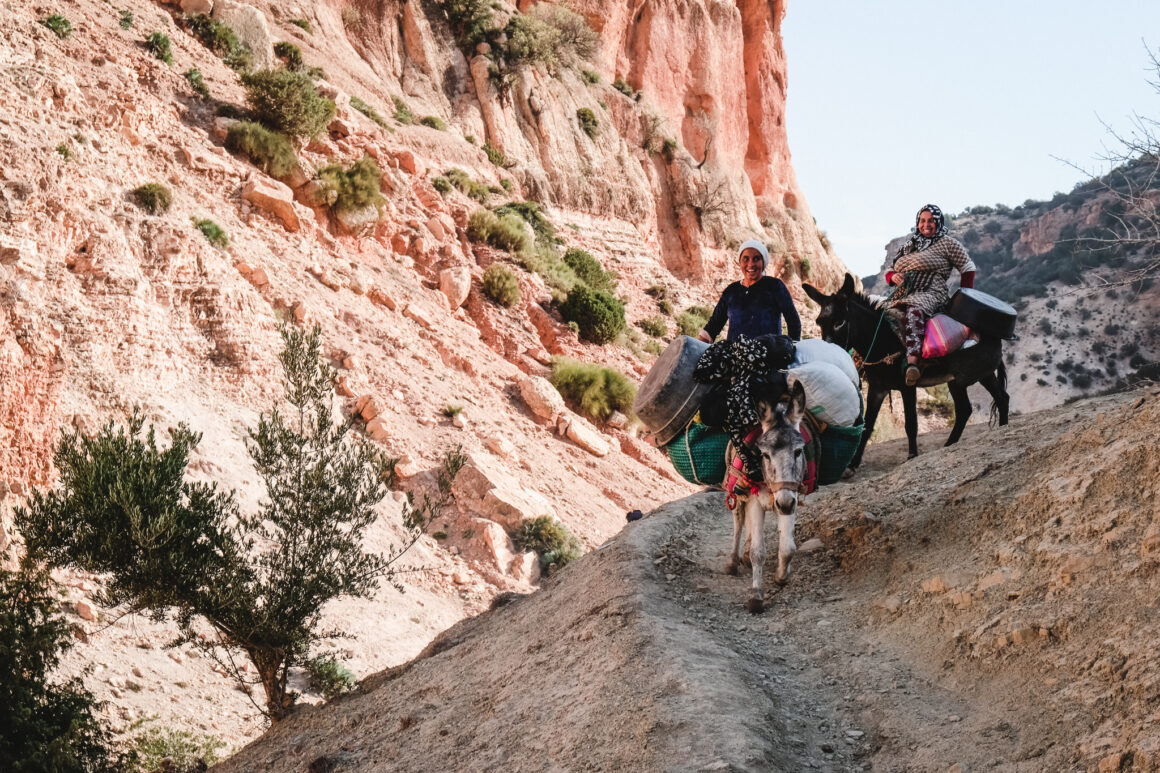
{"x": 987, "y": 606}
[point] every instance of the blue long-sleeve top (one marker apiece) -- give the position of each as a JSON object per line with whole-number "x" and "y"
{"x": 755, "y": 310}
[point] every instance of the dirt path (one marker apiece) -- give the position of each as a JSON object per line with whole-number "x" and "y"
{"x": 992, "y": 606}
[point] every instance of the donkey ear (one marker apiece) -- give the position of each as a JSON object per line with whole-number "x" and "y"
{"x": 816, "y": 295}
{"x": 766, "y": 414}
{"x": 848, "y": 287}
{"x": 796, "y": 410}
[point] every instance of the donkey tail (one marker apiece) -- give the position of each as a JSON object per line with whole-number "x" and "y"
{"x": 1001, "y": 378}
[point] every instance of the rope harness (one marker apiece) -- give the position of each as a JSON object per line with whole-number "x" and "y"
{"x": 737, "y": 477}
{"x": 859, "y": 361}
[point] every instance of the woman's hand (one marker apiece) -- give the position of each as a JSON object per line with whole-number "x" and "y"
{"x": 704, "y": 337}
{"x": 894, "y": 277}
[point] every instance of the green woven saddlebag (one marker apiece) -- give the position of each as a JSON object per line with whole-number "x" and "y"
{"x": 839, "y": 444}
{"x": 698, "y": 454}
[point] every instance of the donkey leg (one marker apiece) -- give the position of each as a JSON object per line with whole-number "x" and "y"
{"x": 962, "y": 410}
{"x": 999, "y": 394}
{"x": 910, "y": 419}
{"x": 738, "y": 530}
{"x": 755, "y": 520}
{"x": 873, "y": 405}
{"x": 785, "y": 545}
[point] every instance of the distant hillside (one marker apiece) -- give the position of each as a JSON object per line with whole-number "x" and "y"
{"x": 1061, "y": 264}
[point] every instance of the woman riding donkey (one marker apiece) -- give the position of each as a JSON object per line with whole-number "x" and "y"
{"x": 919, "y": 274}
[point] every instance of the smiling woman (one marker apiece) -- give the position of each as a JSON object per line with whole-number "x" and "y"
{"x": 755, "y": 305}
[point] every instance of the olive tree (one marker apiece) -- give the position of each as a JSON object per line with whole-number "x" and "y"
{"x": 236, "y": 583}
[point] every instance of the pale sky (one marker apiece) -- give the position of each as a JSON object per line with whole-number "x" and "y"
{"x": 894, "y": 104}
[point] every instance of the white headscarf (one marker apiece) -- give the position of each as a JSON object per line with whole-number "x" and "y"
{"x": 756, "y": 245}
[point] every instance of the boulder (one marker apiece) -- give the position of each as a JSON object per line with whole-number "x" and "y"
{"x": 196, "y": 6}
{"x": 499, "y": 546}
{"x": 583, "y": 434}
{"x": 526, "y": 568}
{"x": 22, "y": 255}
{"x": 423, "y": 316}
{"x": 357, "y": 222}
{"x": 275, "y": 198}
{"x": 249, "y": 24}
{"x": 541, "y": 397}
{"x": 455, "y": 284}
{"x": 484, "y": 487}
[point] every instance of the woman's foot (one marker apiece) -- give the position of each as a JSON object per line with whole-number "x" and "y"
{"x": 912, "y": 375}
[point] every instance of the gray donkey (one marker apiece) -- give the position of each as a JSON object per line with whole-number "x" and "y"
{"x": 783, "y": 464}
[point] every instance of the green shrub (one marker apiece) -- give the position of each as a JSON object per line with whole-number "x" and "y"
{"x": 288, "y": 102}
{"x": 659, "y": 292}
{"x": 599, "y": 315}
{"x": 59, "y": 25}
{"x": 219, "y": 39}
{"x": 303, "y": 24}
{"x": 213, "y": 233}
{"x": 267, "y": 150}
{"x": 402, "y": 112}
{"x": 290, "y": 54}
{"x": 470, "y": 139}
{"x": 805, "y": 264}
{"x": 433, "y": 122}
{"x": 550, "y": 35}
{"x": 329, "y": 677}
{"x": 590, "y": 77}
{"x": 692, "y": 320}
{"x": 620, "y": 85}
{"x": 355, "y": 187}
{"x": 49, "y": 723}
{"x": 531, "y": 213}
{"x": 550, "y": 539}
{"x": 64, "y": 151}
{"x": 467, "y": 186}
{"x": 158, "y": 43}
{"x": 494, "y": 155}
{"x": 506, "y": 184}
{"x": 665, "y": 307}
{"x": 441, "y": 184}
{"x": 154, "y": 198}
{"x": 501, "y": 286}
{"x": 669, "y": 149}
{"x": 655, "y": 327}
{"x": 368, "y": 111}
{"x": 451, "y": 410}
{"x": 588, "y": 122}
{"x": 589, "y": 270}
{"x": 126, "y": 19}
{"x": 197, "y": 82}
{"x": 505, "y": 233}
{"x": 592, "y": 389}
{"x": 178, "y": 751}
{"x": 546, "y": 261}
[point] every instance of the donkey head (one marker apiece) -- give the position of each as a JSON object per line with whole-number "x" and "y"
{"x": 783, "y": 457}
{"x": 834, "y": 314}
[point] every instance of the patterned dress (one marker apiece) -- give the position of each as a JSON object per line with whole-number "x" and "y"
{"x": 926, "y": 266}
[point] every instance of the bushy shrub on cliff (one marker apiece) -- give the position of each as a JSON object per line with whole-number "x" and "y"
{"x": 531, "y": 213}
{"x": 196, "y": 82}
{"x": 220, "y": 39}
{"x": 45, "y": 724}
{"x": 598, "y": 314}
{"x": 590, "y": 389}
{"x": 290, "y": 54}
{"x": 692, "y": 320}
{"x": 158, "y": 44}
{"x": 550, "y": 35}
{"x": 60, "y": 26}
{"x": 433, "y": 122}
{"x": 154, "y": 198}
{"x": 353, "y": 187}
{"x": 124, "y": 508}
{"x": 465, "y": 185}
{"x": 551, "y": 540}
{"x": 501, "y": 286}
{"x": 505, "y": 233}
{"x": 589, "y": 270}
{"x": 330, "y": 677}
{"x": 267, "y": 150}
{"x": 588, "y": 122}
{"x": 368, "y": 111}
{"x": 287, "y": 102}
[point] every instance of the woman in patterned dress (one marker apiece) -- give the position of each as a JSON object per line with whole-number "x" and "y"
{"x": 919, "y": 275}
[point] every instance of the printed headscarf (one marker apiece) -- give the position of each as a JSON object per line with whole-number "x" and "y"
{"x": 917, "y": 242}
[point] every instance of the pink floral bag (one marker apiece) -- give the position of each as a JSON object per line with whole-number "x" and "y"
{"x": 943, "y": 336}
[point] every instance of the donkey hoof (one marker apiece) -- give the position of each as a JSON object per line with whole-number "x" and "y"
{"x": 781, "y": 580}
{"x": 731, "y": 567}
{"x": 755, "y": 605}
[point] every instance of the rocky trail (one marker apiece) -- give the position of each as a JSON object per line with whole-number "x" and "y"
{"x": 987, "y": 606}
